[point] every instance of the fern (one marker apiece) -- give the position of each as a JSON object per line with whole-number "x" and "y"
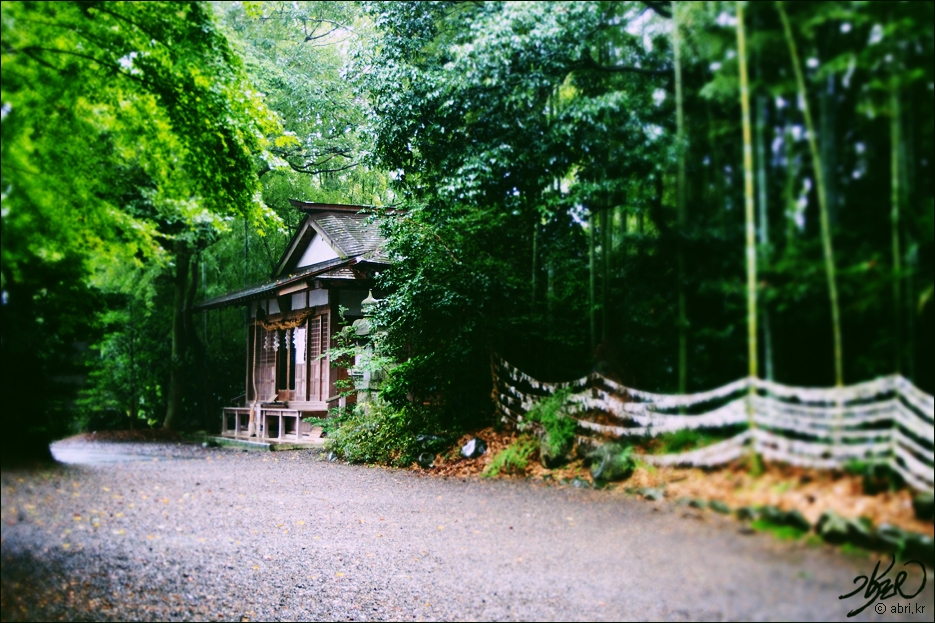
{"x": 512, "y": 459}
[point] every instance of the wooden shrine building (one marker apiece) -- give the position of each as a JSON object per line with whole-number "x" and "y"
{"x": 330, "y": 262}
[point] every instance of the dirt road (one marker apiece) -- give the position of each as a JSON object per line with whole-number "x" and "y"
{"x": 180, "y": 532}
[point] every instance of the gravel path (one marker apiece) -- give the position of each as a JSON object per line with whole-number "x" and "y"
{"x": 179, "y": 532}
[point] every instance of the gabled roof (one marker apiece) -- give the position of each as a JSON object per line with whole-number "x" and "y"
{"x": 349, "y": 234}
{"x": 346, "y": 228}
{"x": 336, "y": 269}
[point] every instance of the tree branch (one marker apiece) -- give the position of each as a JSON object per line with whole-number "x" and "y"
{"x": 587, "y": 62}
{"x": 123, "y": 18}
{"x": 313, "y": 36}
{"x": 269, "y": 254}
{"x": 331, "y": 151}
{"x": 660, "y": 8}
{"x": 306, "y": 169}
{"x": 28, "y": 51}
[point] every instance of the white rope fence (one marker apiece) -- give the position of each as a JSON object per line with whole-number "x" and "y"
{"x": 886, "y": 421}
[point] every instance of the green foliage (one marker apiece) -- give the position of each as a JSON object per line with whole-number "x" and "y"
{"x": 508, "y": 125}
{"x": 48, "y": 322}
{"x": 137, "y": 124}
{"x": 380, "y": 434}
{"x": 514, "y": 458}
{"x": 784, "y": 532}
{"x": 876, "y": 476}
{"x": 856, "y": 551}
{"x": 549, "y": 412}
{"x": 126, "y": 383}
{"x": 687, "y": 439}
{"x": 294, "y": 54}
{"x": 376, "y": 432}
{"x": 104, "y": 99}
{"x": 503, "y": 128}
{"x": 127, "y": 127}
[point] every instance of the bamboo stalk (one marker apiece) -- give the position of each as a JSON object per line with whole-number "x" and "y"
{"x": 535, "y": 253}
{"x": 748, "y": 195}
{"x": 907, "y": 183}
{"x": 763, "y": 229}
{"x": 822, "y": 199}
{"x": 788, "y": 191}
{"x": 607, "y": 223}
{"x": 750, "y": 222}
{"x": 680, "y": 198}
{"x": 894, "y": 225}
{"x": 762, "y": 196}
{"x": 592, "y": 222}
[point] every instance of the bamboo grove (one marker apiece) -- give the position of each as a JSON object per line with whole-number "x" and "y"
{"x": 640, "y": 159}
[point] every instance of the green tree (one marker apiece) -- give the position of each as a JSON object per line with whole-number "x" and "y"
{"x": 479, "y": 109}
{"x": 104, "y": 102}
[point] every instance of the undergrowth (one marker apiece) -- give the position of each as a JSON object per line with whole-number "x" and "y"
{"x": 514, "y": 458}
{"x": 559, "y": 428}
{"x": 689, "y": 439}
{"x": 786, "y": 533}
{"x": 380, "y": 434}
{"x": 876, "y": 476}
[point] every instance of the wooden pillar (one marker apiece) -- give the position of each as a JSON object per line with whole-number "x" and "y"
{"x": 247, "y": 365}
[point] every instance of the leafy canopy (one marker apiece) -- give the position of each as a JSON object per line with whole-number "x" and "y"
{"x": 105, "y": 100}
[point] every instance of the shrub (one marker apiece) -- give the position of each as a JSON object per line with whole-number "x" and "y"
{"x": 549, "y": 412}
{"x": 877, "y": 476}
{"x": 514, "y": 458}
{"x": 687, "y": 439}
{"x": 382, "y": 434}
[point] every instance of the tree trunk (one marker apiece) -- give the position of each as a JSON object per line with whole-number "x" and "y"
{"x": 197, "y": 347}
{"x": 535, "y": 252}
{"x": 765, "y": 250}
{"x": 827, "y": 107}
{"x": 909, "y": 195}
{"x": 132, "y": 336}
{"x": 605, "y": 281}
{"x": 822, "y": 199}
{"x": 180, "y": 345}
{"x": 680, "y": 198}
{"x": 748, "y": 195}
{"x": 788, "y": 193}
{"x": 592, "y": 222}
{"x": 894, "y": 226}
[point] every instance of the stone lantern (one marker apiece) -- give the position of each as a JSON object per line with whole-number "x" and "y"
{"x": 366, "y": 382}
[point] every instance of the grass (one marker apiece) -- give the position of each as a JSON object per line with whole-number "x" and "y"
{"x": 853, "y": 550}
{"x": 877, "y": 476}
{"x": 647, "y": 466}
{"x": 513, "y": 459}
{"x": 786, "y": 533}
{"x": 689, "y": 439}
{"x": 814, "y": 540}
